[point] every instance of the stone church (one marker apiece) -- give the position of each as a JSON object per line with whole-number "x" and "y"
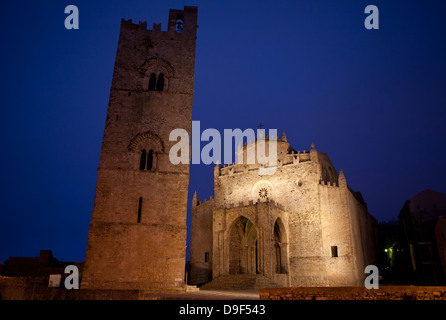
{"x": 302, "y": 226}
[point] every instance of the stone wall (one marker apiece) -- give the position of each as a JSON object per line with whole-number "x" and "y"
{"x": 201, "y": 242}
{"x": 354, "y": 293}
{"x": 33, "y": 288}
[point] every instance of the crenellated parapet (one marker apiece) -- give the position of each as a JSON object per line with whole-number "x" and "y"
{"x": 328, "y": 184}
{"x": 252, "y": 202}
{"x": 286, "y": 160}
{"x": 209, "y": 201}
{"x": 128, "y": 24}
{"x": 179, "y": 21}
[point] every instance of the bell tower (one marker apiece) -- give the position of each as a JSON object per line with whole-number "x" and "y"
{"x": 137, "y": 234}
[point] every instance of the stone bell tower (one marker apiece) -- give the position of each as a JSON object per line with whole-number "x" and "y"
{"x": 137, "y": 234}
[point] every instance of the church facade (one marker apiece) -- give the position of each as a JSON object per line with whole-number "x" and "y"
{"x": 301, "y": 226}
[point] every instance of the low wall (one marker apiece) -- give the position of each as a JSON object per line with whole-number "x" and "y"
{"x": 354, "y": 293}
{"x": 36, "y": 288}
{"x": 32, "y": 288}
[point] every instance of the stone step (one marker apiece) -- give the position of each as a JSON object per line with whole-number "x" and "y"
{"x": 239, "y": 282}
{"x": 190, "y": 288}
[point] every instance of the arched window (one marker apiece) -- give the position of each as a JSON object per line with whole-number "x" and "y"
{"x": 277, "y": 249}
{"x": 280, "y": 248}
{"x": 152, "y": 82}
{"x": 160, "y": 83}
{"x": 142, "y": 162}
{"x": 179, "y": 23}
{"x": 146, "y": 160}
{"x": 150, "y": 160}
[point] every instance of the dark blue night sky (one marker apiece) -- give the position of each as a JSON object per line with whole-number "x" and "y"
{"x": 373, "y": 100}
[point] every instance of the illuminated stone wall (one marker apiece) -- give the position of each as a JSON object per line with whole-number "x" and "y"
{"x": 328, "y": 236}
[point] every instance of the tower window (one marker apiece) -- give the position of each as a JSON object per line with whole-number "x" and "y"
{"x": 206, "y": 257}
{"x": 142, "y": 162}
{"x": 146, "y": 160}
{"x": 334, "y": 251}
{"x": 152, "y": 82}
{"x": 139, "y": 210}
{"x": 179, "y": 23}
{"x": 160, "y": 83}
{"x": 150, "y": 160}
{"x": 156, "y": 83}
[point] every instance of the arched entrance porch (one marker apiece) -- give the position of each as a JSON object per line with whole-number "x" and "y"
{"x": 243, "y": 252}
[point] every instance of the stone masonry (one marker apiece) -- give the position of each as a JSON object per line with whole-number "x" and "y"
{"x": 137, "y": 234}
{"x": 301, "y": 226}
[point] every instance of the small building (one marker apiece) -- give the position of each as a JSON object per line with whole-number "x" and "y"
{"x": 389, "y": 252}
{"x": 418, "y": 220}
{"x": 41, "y": 266}
{"x": 440, "y": 236}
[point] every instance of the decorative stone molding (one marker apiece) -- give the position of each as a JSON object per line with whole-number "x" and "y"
{"x": 137, "y": 142}
{"x": 157, "y": 64}
{"x": 263, "y": 191}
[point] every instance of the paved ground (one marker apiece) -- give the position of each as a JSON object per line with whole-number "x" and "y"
{"x": 205, "y": 295}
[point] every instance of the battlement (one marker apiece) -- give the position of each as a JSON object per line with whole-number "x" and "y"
{"x": 290, "y": 159}
{"x": 239, "y": 204}
{"x": 141, "y": 25}
{"x": 128, "y": 24}
{"x": 205, "y": 201}
{"x": 328, "y": 183}
{"x": 247, "y": 203}
{"x": 179, "y": 21}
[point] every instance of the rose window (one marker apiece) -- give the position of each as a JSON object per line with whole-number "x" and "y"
{"x": 263, "y": 193}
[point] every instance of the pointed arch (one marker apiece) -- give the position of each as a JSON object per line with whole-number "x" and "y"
{"x": 243, "y": 247}
{"x": 280, "y": 247}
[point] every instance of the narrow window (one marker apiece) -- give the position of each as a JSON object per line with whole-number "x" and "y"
{"x": 149, "y": 160}
{"x": 139, "y": 209}
{"x": 179, "y": 23}
{"x": 160, "y": 83}
{"x": 334, "y": 251}
{"x": 206, "y": 257}
{"x": 152, "y": 82}
{"x": 142, "y": 162}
